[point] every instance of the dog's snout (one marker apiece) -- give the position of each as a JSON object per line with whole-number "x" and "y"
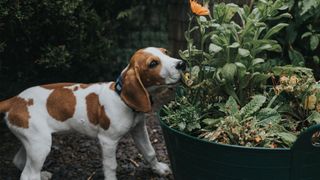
{"x": 181, "y": 65}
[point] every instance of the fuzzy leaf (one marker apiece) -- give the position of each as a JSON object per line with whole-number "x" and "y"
{"x": 229, "y": 70}
{"x": 253, "y": 106}
{"x": 211, "y": 121}
{"x": 182, "y": 126}
{"x": 306, "y": 34}
{"x": 257, "y": 61}
{"x": 243, "y": 52}
{"x": 214, "y": 48}
{"x": 275, "y": 29}
{"x": 234, "y": 45}
{"x": 287, "y": 138}
{"x": 195, "y": 72}
{"x": 314, "y": 42}
{"x": 231, "y": 106}
{"x": 268, "y": 115}
{"x": 284, "y": 15}
{"x": 314, "y": 117}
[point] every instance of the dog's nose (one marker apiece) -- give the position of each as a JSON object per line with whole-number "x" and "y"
{"x": 181, "y": 65}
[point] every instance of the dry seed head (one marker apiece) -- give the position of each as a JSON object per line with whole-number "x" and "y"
{"x": 293, "y": 80}
{"x": 310, "y": 102}
{"x": 284, "y": 79}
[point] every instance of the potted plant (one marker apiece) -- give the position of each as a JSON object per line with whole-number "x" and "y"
{"x": 243, "y": 113}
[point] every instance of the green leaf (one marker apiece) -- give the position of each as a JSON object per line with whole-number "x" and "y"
{"x": 306, "y": 34}
{"x": 234, "y": 45}
{"x": 211, "y": 121}
{"x": 182, "y": 126}
{"x": 284, "y": 15}
{"x": 195, "y": 72}
{"x": 203, "y": 19}
{"x": 287, "y": 138}
{"x": 314, "y": 42}
{"x": 275, "y": 29}
{"x": 258, "y": 78}
{"x": 243, "y": 52}
{"x": 307, "y": 5}
{"x": 314, "y": 117}
{"x": 296, "y": 58}
{"x": 268, "y": 115}
{"x": 231, "y": 106}
{"x": 214, "y": 48}
{"x": 192, "y": 126}
{"x": 229, "y": 70}
{"x": 257, "y": 61}
{"x": 184, "y": 55}
{"x": 253, "y": 106}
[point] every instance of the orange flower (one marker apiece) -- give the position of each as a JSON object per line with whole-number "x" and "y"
{"x": 198, "y": 9}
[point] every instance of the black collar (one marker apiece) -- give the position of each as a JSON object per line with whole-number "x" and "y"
{"x": 118, "y": 85}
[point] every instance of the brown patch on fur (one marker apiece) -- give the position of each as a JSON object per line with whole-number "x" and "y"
{"x": 137, "y": 78}
{"x": 96, "y": 112}
{"x": 75, "y": 88}
{"x": 18, "y": 114}
{"x": 30, "y": 102}
{"x": 61, "y": 104}
{"x": 113, "y": 86}
{"x": 56, "y": 85}
{"x": 148, "y": 76}
{"x": 165, "y": 51}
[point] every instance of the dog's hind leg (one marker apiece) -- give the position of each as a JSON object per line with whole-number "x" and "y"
{"x": 19, "y": 159}
{"x": 37, "y": 150}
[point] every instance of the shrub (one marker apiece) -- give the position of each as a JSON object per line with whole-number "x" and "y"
{"x": 236, "y": 91}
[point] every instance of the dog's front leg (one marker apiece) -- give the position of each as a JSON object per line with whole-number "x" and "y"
{"x": 108, "y": 146}
{"x": 142, "y": 141}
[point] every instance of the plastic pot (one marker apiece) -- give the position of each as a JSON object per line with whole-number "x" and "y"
{"x": 195, "y": 159}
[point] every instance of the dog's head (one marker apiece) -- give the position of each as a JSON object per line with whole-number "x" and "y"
{"x": 148, "y": 68}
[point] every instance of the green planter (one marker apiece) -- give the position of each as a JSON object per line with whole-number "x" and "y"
{"x": 195, "y": 159}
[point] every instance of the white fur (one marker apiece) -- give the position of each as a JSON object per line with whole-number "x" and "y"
{"x": 36, "y": 139}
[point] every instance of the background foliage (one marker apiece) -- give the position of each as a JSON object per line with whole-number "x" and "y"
{"x": 75, "y": 40}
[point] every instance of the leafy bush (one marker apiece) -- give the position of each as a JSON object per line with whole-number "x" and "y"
{"x": 302, "y": 36}
{"x": 236, "y": 91}
{"x": 47, "y": 41}
{"x": 77, "y": 40}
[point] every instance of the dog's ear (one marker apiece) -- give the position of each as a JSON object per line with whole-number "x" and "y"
{"x": 133, "y": 91}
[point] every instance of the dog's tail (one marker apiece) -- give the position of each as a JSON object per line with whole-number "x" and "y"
{"x": 5, "y": 106}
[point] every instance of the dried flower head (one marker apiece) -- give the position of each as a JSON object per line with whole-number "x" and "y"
{"x": 284, "y": 79}
{"x": 293, "y": 80}
{"x": 310, "y": 102}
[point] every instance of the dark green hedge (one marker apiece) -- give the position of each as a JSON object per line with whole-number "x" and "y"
{"x": 44, "y": 41}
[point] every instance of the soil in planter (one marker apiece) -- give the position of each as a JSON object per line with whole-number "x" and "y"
{"x": 75, "y": 156}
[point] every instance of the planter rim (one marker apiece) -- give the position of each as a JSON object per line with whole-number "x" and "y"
{"x": 220, "y": 144}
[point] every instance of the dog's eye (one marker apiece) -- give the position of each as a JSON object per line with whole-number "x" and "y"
{"x": 153, "y": 64}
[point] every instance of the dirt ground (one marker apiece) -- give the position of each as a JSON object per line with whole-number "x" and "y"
{"x": 75, "y": 156}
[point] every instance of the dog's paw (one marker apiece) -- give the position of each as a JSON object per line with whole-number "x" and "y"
{"x": 45, "y": 175}
{"x": 161, "y": 168}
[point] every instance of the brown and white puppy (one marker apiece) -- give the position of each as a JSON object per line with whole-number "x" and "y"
{"x": 103, "y": 110}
